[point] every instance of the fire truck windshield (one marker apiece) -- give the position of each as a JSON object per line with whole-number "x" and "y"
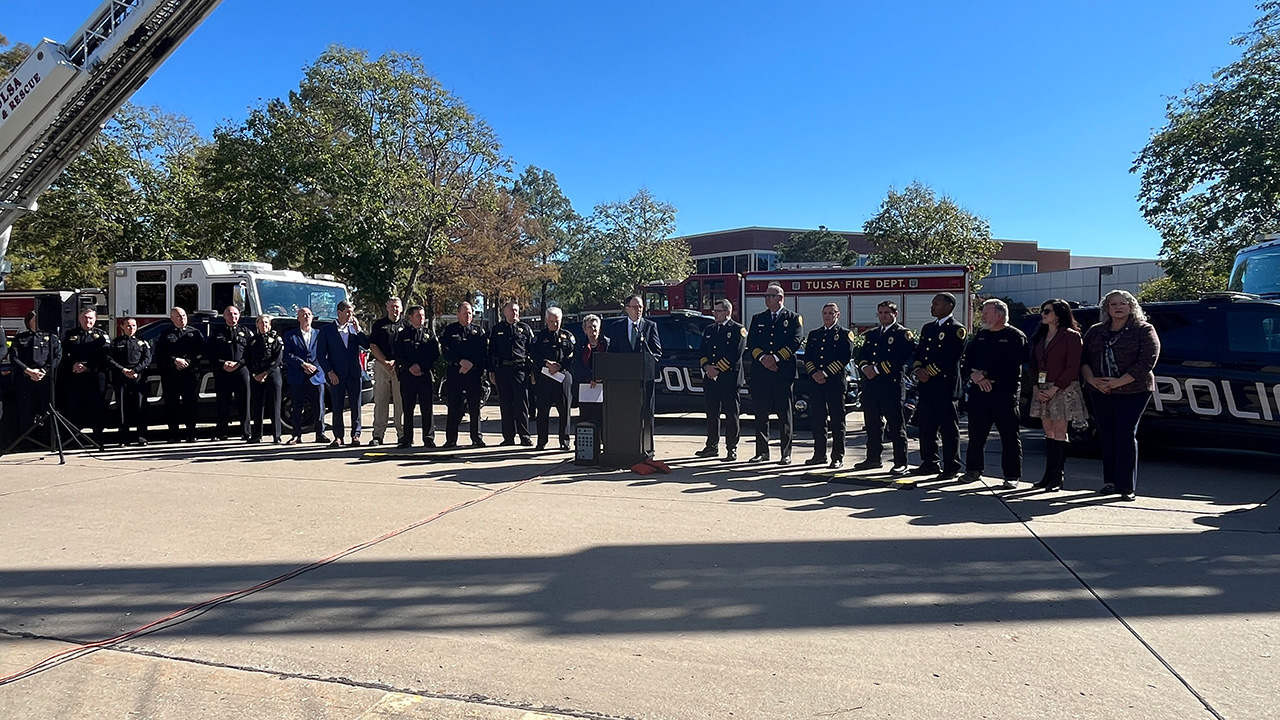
{"x": 1257, "y": 270}
{"x": 282, "y": 298}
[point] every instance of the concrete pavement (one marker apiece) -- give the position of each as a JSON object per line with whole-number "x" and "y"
{"x": 721, "y": 590}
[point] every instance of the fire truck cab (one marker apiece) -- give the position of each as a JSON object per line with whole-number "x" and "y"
{"x": 148, "y": 290}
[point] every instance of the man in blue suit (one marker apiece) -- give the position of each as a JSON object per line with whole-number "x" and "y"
{"x": 638, "y": 334}
{"x": 306, "y": 381}
{"x": 339, "y": 352}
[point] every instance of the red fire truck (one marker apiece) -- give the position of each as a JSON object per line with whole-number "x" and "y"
{"x": 857, "y": 292}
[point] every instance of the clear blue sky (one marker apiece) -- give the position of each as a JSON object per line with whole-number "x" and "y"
{"x": 780, "y": 114}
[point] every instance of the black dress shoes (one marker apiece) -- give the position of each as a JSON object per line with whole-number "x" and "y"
{"x": 868, "y": 464}
{"x": 816, "y": 460}
{"x": 785, "y": 460}
{"x": 731, "y": 455}
{"x": 759, "y": 457}
{"x": 836, "y": 463}
{"x": 707, "y": 452}
{"x": 927, "y": 470}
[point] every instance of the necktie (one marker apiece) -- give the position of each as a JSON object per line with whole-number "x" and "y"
{"x": 633, "y": 336}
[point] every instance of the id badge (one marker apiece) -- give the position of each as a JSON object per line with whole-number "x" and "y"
{"x": 1043, "y": 378}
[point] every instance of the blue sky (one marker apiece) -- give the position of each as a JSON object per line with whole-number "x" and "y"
{"x": 749, "y": 113}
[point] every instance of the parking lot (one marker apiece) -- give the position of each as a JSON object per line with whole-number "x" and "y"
{"x": 528, "y": 587}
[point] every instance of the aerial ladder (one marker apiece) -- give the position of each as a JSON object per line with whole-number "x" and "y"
{"x": 59, "y": 98}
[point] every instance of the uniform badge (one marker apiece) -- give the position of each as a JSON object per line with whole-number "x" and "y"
{"x": 890, "y": 339}
{"x": 744, "y": 332}
{"x": 851, "y": 336}
{"x": 943, "y": 336}
{"x": 910, "y": 336}
{"x": 785, "y": 322}
{"x": 959, "y": 333}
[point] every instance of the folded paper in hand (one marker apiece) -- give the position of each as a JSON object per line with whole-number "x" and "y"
{"x": 588, "y": 394}
{"x": 558, "y": 377}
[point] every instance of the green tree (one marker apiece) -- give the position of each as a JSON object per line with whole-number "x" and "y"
{"x": 821, "y": 245}
{"x": 624, "y": 245}
{"x": 1211, "y": 175}
{"x": 365, "y": 171}
{"x": 124, "y": 198}
{"x": 553, "y": 227}
{"x": 915, "y": 227}
{"x": 10, "y": 59}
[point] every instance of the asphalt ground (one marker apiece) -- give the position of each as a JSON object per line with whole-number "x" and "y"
{"x": 525, "y": 587}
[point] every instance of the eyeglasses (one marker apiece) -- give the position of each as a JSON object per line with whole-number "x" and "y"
{"x": 1046, "y": 311}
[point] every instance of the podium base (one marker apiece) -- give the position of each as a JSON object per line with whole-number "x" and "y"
{"x": 617, "y": 461}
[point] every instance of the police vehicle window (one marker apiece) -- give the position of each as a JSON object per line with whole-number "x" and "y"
{"x": 187, "y": 297}
{"x": 1253, "y": 333}
{"x": 149, "y": 298}
{"x": 1183, "y": 335}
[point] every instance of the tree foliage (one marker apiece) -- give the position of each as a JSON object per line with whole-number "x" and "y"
{"x": 125, "y": 198}
{"x": 623, "y": 246}
{"x": 365, "y": 171}
{"x": 1211, "y": 175}
{"x": 10, "y": 59}
{"x": 552, "y": 230}
{"x": 821, "y": 245}
{"x": 915, "y": 227}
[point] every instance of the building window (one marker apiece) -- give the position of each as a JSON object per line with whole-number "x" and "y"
{"x": 1000, "y": 268}
{"x": 702, "y": 266}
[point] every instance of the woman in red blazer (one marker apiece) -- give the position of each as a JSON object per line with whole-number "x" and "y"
{"x": 1055, "y": 362}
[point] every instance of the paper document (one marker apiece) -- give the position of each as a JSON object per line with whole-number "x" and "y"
{"x": 588, "y": 394}
{"x": 558, "y": 377}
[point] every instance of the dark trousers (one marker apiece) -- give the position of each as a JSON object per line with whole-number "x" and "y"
{"x": 264, "y": 396}
{"x": 416, "y": 395}
{"x": 721, "y": 396}
{"x": 301, "y": 396}
{"x": 181, "y": 390}
{"x": 826, "y": 412}
{"x": 773, "y": 396}
{"x": 882, "y": 417}
{"x": 513, "y": 396}
{"x": 462, "y": 394}
{"x": 34, "y": 399}
{"x": 1000, "y": 408}
{"x": 232, "y": 389}
{"x": 85, "y": 402}
{"x": 552, "y": 394}
{"x": 936, "y": 415}
{"x": 131, "y": 398}
{"x": 346, "y": 395}
{"x": 1117, "y": 416}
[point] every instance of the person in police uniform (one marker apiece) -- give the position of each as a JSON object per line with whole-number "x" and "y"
{"x": 509, "y": 343}
{"x": 264, "y": 360}
{"x": 552, "y": 351}
{"x": 178, "y": 354}
{"x": 35, "y": 356}
{"x": 84, "y": 373}
{"x": 936, "y": 367}
{"x": 886, "y": 352}
{"x": 417, "y": 350}
{"x": 827, "y": 352}
{"x": 773, "y": 339}
{"x": 466, "y": 350}
{"x": 228, "y": 347}
{"x": 723, "y": 343}
{"x": 129, "y": 358}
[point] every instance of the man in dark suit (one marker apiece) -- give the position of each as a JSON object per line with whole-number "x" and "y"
{"x": 339, "y": 352}
{"x": 723, "y": 343}
{"x": 306, "y": 381}
{"x": 773, "y": 338}
{"x": 936, "y": 366}
{"x": 638, "y": 334}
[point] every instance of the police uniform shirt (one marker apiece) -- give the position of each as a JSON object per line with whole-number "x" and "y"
{"x": 130, "y": 353}
{"x": 940, "y": 347}
{"x": 778, "y": 336}
{"x": 828, "y": 349}
{"x": 461, "y": 342}
{"x": 36, "y": 350}
{"x": 229, "y": 343}
{"x": 266, "y": 352}
{"x": 416, "y": 346}
{"x": 86, "y": 346}
{"x": 509, "y": 344}
{"x": 722, "y": 346}
{"x": 888, "y": 349}
{"x": 186, "y": 343}
{"x": 556, "y": 347}
{"x": 384, "y": 334}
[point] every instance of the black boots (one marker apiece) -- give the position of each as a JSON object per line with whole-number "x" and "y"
{"x": 1054, "y": 466}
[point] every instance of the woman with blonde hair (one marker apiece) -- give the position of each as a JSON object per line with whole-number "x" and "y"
{"x": 1119, "y": 360}
{"x": 1057, "y": 400}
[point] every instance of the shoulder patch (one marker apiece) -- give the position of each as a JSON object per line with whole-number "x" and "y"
{"x": 800, "y": 320}
{"x": 744, "y": 332}
{"x": 960, "y": 333}
{"x": 852, "y": 336}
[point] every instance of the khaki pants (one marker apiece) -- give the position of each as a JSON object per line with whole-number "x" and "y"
{"x": 386, "y": 392}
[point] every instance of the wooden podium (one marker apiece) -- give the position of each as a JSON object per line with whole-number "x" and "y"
{"x": 628, "y": 428}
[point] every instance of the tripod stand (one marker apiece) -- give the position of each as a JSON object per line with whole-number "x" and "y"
{"x": 59, "y": 423}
